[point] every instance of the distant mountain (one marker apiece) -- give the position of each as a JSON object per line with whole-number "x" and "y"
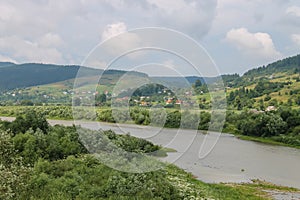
{"x": 6, "y": 64}
{"x": 25, "y": 75}
{"x": 287, "y": 65}
{"x": 290, "y": 65}
{"x": 181, "y": 82}
{"x": 14, "y": 76}
{"x": 284, "y": 65}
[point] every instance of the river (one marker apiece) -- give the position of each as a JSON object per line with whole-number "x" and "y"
{"x": 230, "y": 160}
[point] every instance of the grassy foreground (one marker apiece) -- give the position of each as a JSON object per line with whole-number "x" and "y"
{"x": 175, "y": 183}
{"x": 243, "y": 191}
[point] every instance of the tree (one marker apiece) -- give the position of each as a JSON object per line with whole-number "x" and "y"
{"x": 290, "y": 102}
{"x": 199, "y": 87}
{"x": 26, "y": 103}
{"x": 275, "y": 125}
{"x": 31, "y": 119}
{"x": 76, "y": 101}
{"x": 262, "y": 124}
{"x": 13, "y": 174}
{"x": 100, "y": 99}
{"x": 173, "y": 119}
{"x": 238, "y": 103}
{"x": 198, "y": 83}
{"x": 205, "y": 118}
{"x": 297, "y": 101}
{"x": 268, "y": 97}
{"x": 261, "y": 104}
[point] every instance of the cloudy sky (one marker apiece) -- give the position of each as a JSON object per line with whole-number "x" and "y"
{"x": 237, "y": 34}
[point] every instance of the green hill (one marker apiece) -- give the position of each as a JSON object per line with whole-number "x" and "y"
{"x": 284, "y": 67}
{"x": 14, "y": 76}
{"x": 182, "y": 82}
{"x": 54, "y": 83}
{"x": 6, "y": 64}
{"x": 26, "y": 75}
{"x": 273, "y": 85}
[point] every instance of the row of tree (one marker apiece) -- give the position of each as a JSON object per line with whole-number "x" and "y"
{"x": 282, "y": 125}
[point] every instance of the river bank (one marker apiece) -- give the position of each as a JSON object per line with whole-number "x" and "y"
{"x": 222, "y": 158}
{"x": 264, "y": 140}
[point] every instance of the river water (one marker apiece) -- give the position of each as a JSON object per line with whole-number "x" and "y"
{"x": 215, "y": 157}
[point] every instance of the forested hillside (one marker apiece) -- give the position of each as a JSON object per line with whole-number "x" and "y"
{"x": 277, "y": 84}
{"x": 25, "y": 75}
{"x": 284, "y": 65}
{"x": 6, "y": 64}
{"x": 290, "y": 65}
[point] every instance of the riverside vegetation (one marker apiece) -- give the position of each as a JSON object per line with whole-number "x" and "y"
{"x": 39, "y": 161}
{"x": 280, "y": 126}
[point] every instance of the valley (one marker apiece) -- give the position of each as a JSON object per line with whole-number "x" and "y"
{"x": 262, "y": 106}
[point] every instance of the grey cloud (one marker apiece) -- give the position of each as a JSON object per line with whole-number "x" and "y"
{"x": 66, "y": 30}
{"x": 80, "y": 23}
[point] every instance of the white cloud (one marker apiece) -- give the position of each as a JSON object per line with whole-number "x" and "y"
{"x": 4, "y": 58}
{"x": 112, "y": 30}
{"x": 123, "y": 42}
{"x": 255, "y": 14}
{"x": 258, "y": 45}
{"x": 7, "y": 12}
{"x": 79, "y": 22}
{"x": 169, "y": 63}
{"x": 293, "y": 10}
{"x": 192, "y": 17}
{"x": 296, "y": 38}
{"x": 171, "y": 6}
{"x": 50, "y": 40}
{"x": 28, "y": 51}
{"x": 94, "y": 63}
{"x": 66, "y": 30}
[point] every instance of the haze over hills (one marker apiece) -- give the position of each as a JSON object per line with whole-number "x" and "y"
{"x": 31, "y": 74}
{"x": 6, "y": 64}
{"x": 181, "y": 82}
{"x": 14, "y": 76}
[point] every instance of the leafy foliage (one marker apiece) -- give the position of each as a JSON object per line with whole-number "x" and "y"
{"x": 200, "y": 87}
{"x": 31, "y": 120}
{"x": 287, "y": 64}
{"x": 280, "y": 126}
{"x": 131, "y": 144}
{"x": 13, "y": 173}
{"x": 24, "y": 75}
